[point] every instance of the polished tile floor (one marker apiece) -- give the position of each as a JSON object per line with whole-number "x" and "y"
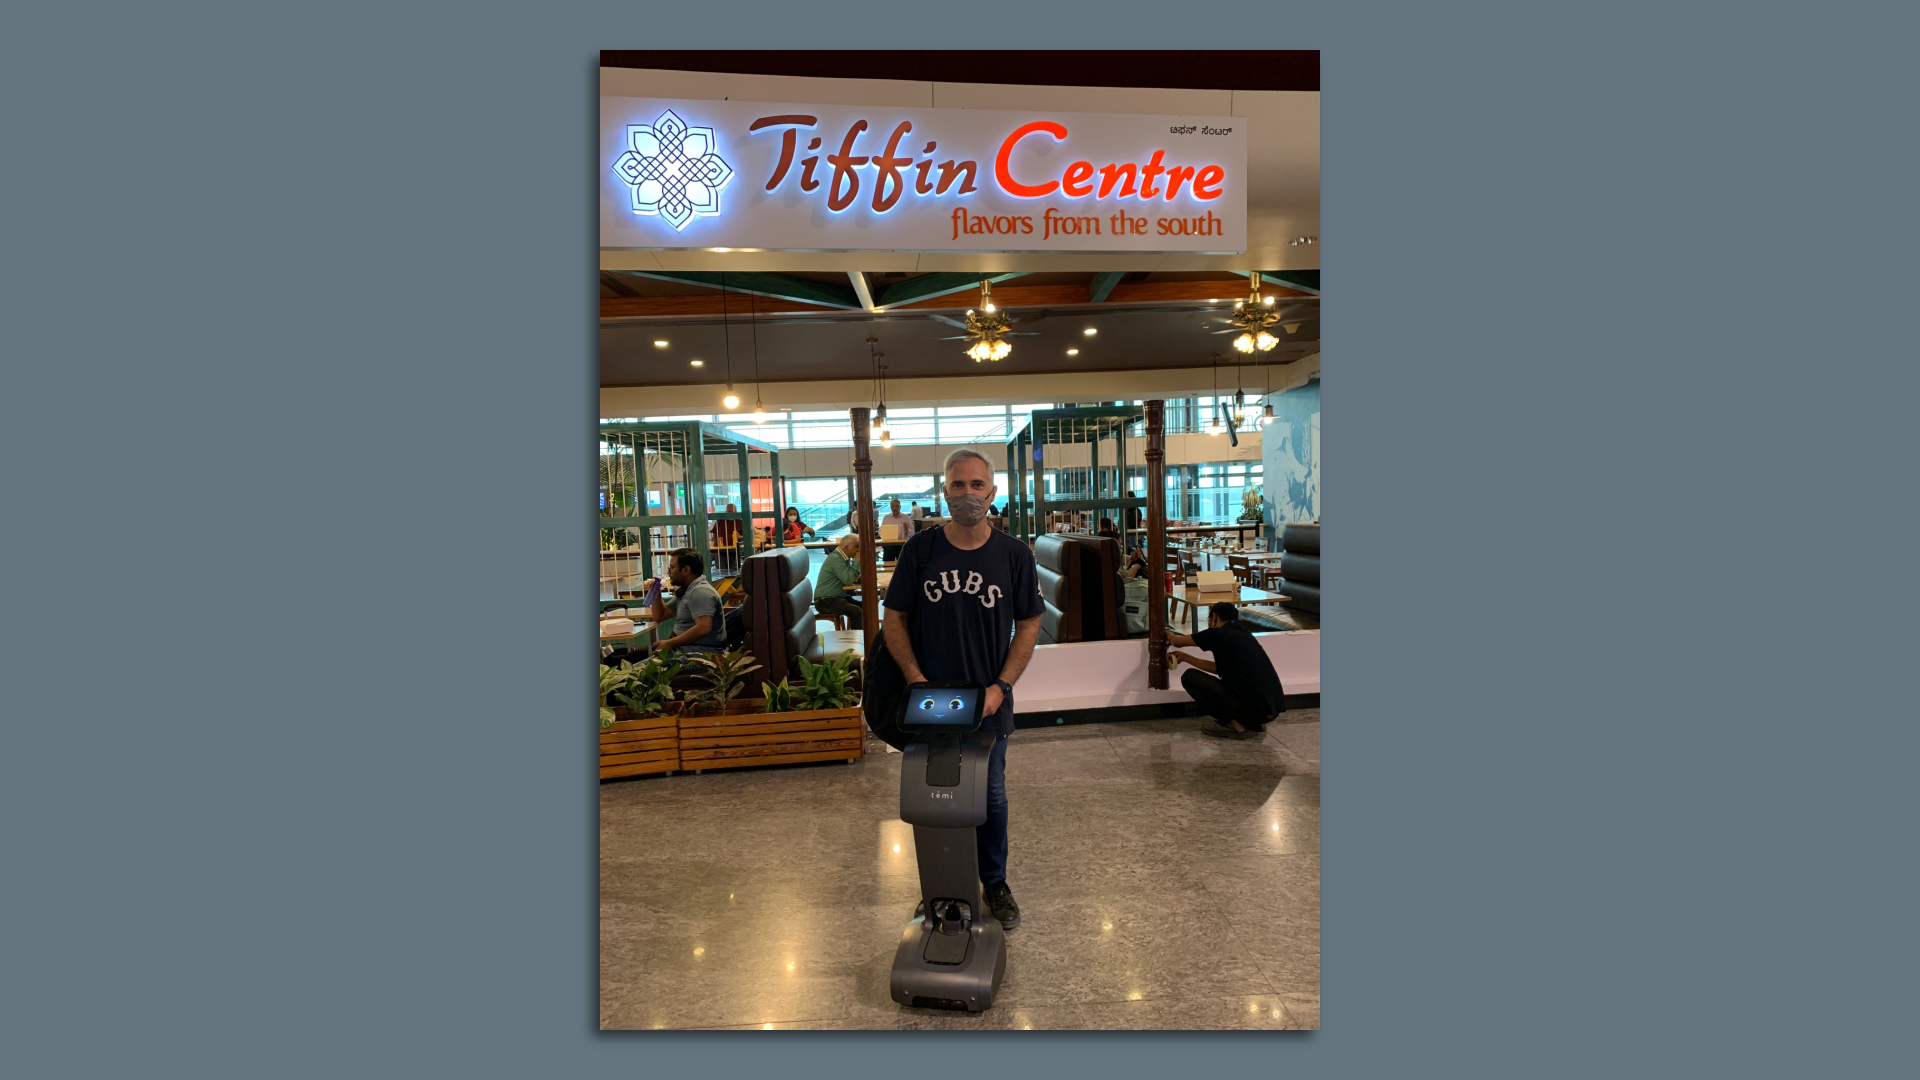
{"x": 1165, "y": 880}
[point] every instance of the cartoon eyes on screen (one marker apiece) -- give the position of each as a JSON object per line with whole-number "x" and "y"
{"x": 954, "y": 705}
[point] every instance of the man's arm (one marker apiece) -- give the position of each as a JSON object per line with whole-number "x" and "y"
{"x": 900, "y": 647}
{"x": 702, "y": 626}
{"x": 1179, "y": 657}
{"x": 1179, "y": 639}
{"x": 1026, "y": 634}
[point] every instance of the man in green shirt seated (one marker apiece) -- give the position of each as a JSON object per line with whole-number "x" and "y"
{"x": 841, "y": 569}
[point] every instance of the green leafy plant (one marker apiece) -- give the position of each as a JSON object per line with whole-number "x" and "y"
{"x": 649, "y": 687}
{"x": 612, "y": 679}
{"x": 780, "y": 696}
{"x": 724, "y": 674}
{"x": 828, "y": 685}
{"x": 1250, "y": 504}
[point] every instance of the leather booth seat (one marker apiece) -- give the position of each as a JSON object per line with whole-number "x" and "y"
{"x": 781, "y": 615}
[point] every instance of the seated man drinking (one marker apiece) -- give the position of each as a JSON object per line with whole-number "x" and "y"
{"x": 1243, "y": 693}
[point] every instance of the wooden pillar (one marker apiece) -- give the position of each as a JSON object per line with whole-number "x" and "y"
{"x": 1156, "y": 546}
{"x": 869, "y": 550}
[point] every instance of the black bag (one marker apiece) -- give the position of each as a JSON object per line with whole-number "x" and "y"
{"x": 883, "y": 694}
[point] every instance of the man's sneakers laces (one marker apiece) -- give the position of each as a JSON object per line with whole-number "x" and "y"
{"x": 1000, "y": 901}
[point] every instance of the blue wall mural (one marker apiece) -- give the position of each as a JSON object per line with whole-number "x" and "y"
{"x": 1290, "y": 452}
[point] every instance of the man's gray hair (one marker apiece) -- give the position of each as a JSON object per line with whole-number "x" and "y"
{"x": 963, "y": 454}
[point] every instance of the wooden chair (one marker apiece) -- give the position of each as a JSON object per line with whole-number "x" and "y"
{"x": 1243, "y": 571}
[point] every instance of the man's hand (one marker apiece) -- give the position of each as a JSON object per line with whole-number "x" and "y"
{"x": 663, "y": 648}
{"x": 1174, "y": 659}
{"x": 991, "y": 700}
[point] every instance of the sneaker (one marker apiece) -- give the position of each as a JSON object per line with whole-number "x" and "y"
{"x": 1219, "y": 731}
{"x": 1000, "y": 901}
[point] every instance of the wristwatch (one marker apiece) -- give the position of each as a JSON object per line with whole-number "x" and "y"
{"x": 1005, "y": 686}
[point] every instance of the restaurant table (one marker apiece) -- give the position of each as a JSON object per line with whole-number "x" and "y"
{"x": 641, "y": 635}
{"x": 1244, "y": 595}
{"x": 1238, "y": 528}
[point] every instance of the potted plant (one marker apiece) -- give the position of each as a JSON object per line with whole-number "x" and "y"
{"x": 725, "y": 676}
{"x": 816, "y": 719}
{"x": 641, "y": 735}
{"x": 1250, "y": 504}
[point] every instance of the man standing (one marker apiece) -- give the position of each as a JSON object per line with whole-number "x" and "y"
{"x": 696, "y": 608}
{"x": 723, "y": 537}
{"x": 1245, "y": 694}
{"x": 959, "y": 593}
{"x": 904, "y": 528}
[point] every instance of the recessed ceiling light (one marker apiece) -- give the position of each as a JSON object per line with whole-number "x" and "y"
{"x": 1073, "y": 352}
{"x": 1090, "y": 331}
{"x": 723, "y": 250}
{"x": 697, "y": 363}
{"x": 660, "y": 344}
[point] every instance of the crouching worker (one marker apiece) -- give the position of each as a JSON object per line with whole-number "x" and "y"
{"x": 1238, "y": 687}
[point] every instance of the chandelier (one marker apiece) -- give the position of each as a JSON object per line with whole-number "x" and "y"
{"x": 988, "y": 329}
{"x": 1252, "y": 316}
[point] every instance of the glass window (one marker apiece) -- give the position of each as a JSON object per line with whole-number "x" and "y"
{"x": 822, "y": 434}
{"x": 974, "y": 410}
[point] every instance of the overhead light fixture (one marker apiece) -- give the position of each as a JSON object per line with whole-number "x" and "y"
{"x": 732, "y": 400}
{"x": 696, "y": 363}
{"x": 988, "y": 329}
{"x": 1073, "y": 352}
{"x": 759, "y": 412}
{"x": 723, "y": 251}
{"x": 886, "y": 440}
{"x": 1090, "y": 331}
{"x": 1290, "y": 327}
{"x": 1253, "y": 317}
{"x": 1302, "y": 241}
{"x": 660, "y": 344}
{"x": 1266, "y": 417}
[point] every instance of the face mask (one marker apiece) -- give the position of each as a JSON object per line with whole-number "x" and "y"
{"x": 968, "y": 510}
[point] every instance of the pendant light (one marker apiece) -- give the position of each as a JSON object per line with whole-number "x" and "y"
{"x": 1213, "y": 423}
{"x": 732, "y": 400}
{"x": 759, "y": 410}
{"x": 1266, "y": 417}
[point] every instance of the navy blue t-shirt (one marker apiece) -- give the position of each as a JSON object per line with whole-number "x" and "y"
{"x": 963, "y": 606}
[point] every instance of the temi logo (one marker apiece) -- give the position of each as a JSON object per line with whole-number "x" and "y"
{"x": 941, "y": 794}
{"x": 673, "y": 170}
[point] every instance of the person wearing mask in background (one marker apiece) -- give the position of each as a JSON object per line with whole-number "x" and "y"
{"x": 842, "y": 569}
{"x": 1243, "y": 693}
{"x": 797, "y": 530}
{"x": 890, "y": 550}
{"x": 966, "y": 603}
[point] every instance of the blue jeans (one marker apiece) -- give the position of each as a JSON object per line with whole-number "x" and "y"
{"x": 991, "y": 836}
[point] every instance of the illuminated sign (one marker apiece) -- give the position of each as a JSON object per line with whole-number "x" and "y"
{"x": 867, "y": 178}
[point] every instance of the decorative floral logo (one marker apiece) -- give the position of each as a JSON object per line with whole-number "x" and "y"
{"x": 674, "y": 170}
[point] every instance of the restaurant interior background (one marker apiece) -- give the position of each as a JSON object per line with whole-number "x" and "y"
{"x": 763, "y": 355}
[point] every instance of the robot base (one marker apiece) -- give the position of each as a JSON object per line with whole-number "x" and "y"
{"x": 970, "y": 984}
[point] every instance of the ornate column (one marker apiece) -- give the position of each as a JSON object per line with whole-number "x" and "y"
{"x": 863, "y": 523}
{"x": 1156, "y": 545}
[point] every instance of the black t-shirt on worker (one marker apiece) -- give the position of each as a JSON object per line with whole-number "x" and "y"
{"x": 963, "y": 605}
{"x": 1243, "y": 665}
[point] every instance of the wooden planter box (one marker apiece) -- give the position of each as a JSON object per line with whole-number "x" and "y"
{"x": 634, "y": 747}
{"x": 744, "y": 735}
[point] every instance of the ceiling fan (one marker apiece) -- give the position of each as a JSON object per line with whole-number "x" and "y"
{"x": 1252, "y": 318}
{"x": 988, "y": 328}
